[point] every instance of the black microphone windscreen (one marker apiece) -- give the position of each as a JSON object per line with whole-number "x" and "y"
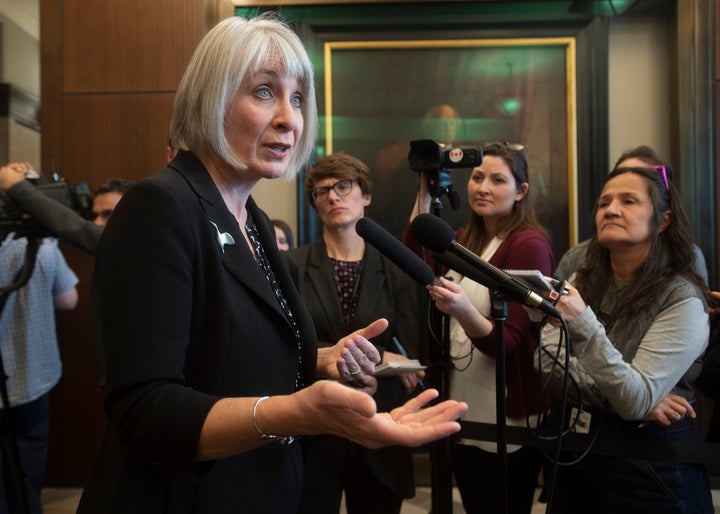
{"x": 465, "y": 269}
{"x": 432, "y": 232}
{"x": 395, "y": 250}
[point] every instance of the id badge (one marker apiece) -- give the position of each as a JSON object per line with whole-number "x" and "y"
{"x": 581, "y": 421}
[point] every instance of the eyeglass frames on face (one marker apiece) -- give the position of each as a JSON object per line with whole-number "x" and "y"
{"x": 341, "y": 188}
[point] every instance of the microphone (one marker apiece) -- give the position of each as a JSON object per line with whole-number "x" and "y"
{"x": 433, "y": 233}
{"x": 390, "y": 247}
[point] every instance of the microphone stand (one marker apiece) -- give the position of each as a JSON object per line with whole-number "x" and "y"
{"x": 442, "y": 449}
{"x": 498, "y": 313}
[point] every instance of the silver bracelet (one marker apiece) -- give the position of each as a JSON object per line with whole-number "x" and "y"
{"x": 268, "y": 437}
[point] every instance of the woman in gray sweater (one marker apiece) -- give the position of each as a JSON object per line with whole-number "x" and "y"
{"x": 637, "y": 320}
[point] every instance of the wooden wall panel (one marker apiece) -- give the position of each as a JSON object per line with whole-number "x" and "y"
{"x": 130, "y": 45}
{"x": 77, "y": 418}
{"x": 115, "y": 135}
{"x": 50, "y": 82}
{"x": 109, "y": 73}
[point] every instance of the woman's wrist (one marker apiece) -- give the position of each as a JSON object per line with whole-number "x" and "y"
{"x": 265, "y": 436}
{"x": 326, "y": 363}
{"x": 475, "y": 324}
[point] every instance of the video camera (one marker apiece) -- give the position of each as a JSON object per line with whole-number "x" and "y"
{"x": 13, "y": 219}
{"x": 437, "y": 162}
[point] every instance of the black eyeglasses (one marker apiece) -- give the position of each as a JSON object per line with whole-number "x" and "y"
{"x": 341, "y": 188}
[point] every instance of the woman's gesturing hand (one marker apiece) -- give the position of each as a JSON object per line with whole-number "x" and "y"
{"x": 329, "y": 407}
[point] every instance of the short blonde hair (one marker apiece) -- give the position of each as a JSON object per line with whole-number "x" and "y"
{"x": 229, "y": 55}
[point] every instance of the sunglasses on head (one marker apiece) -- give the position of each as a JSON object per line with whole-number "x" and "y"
{"x": 660, "y": 169}
{"x": 515, "y": 147}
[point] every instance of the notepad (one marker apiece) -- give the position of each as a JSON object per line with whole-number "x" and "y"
{"x": 531, "y": 278}
{"x": 391, "y": 368}
{"x": 537, "y": 282}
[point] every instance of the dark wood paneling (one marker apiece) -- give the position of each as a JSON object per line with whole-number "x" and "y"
{"x": 133, "y": 45}
{"x": 115, "y": 135}
{"x": 76, "y": 415}
{"x": 51, "y": 82}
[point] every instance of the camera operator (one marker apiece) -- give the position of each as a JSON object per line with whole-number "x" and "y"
{"x": 62, "y": 220}
{"x": 53, "y": 215}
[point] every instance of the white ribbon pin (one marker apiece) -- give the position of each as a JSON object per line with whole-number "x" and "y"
{"x": 223, "y": 238}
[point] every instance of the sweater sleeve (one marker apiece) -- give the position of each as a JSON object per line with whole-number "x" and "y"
{"x": 678, "y": 336}
{"x": 528, "y": 250}
{"x": 61, "y": 220}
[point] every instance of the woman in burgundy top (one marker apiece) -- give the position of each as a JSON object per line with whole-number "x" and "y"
{"x": 503, "y": 231}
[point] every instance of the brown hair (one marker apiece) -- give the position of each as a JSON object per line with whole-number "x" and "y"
{"x": 286, "y": 230}
{"x": 341, "y": 166}
{"x": 671, "y": 252}
{"x": 522, "y": 215}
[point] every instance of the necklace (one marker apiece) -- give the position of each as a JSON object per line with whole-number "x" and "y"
{"x": 347, "y": 282}
{"x": 264, "y": 264}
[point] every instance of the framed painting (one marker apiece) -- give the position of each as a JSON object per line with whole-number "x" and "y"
{"x": 379, "y": 96}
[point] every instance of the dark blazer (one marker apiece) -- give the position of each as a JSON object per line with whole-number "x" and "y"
{"x": 187, "y": 321}
{"x": 385, "y": 291}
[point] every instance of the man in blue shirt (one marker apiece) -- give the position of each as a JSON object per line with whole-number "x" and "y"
{"x": 31, "y": 361}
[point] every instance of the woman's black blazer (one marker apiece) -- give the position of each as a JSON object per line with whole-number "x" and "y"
{"x": 188, "y": 318}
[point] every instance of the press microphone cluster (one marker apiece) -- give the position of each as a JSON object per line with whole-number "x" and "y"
{"x": 395, "y": 250}
{"x": 434, "y": 233}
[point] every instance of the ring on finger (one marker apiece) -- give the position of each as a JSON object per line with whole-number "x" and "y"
{"x": 354, "y": 372}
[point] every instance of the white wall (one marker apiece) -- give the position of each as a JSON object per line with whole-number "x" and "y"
{"x": 20, "y": 44}
{"x": 20, "y": 67}
{"x": 640, "y": 86}
{"x": 277, "y": 198}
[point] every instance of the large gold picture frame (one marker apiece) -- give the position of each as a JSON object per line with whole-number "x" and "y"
{"x": 377, "y": 96}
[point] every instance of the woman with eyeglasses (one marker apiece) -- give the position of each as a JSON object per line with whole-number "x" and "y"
{"x": 502, "y": 230}
{"x": 344, "y": 283}
{"x": 637, "y": 315}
